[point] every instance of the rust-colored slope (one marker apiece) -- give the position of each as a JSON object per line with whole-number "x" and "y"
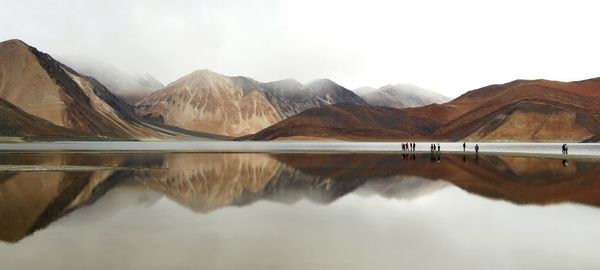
{"x": 515, "y": 110}
{"x": 349, "y": 121}
{"x": 538, "y": 110}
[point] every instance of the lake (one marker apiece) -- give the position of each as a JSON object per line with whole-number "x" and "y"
{"x": 297, "y": 211}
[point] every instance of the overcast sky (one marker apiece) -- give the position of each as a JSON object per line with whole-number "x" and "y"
{"x": 446, "y": 46}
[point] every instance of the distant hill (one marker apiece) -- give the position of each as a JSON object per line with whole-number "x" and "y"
{"x": 332, "y": 93}
{"x": 402, "y": 96}
{"x": 130, "y": 88}
{"x": 360, "y": 91}
{"x": 536, "y": 110}
{"x": 351, "y": 122}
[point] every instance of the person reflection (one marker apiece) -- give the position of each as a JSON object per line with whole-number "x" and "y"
{"x": 476, "y": 159}
{"x": 464, "y": 158}
{"x": 565, "y": 163}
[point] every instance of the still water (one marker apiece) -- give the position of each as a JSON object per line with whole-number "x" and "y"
{"x": 297, "y": 211}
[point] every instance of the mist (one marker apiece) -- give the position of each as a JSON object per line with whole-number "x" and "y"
{"x": 447, "y": 47}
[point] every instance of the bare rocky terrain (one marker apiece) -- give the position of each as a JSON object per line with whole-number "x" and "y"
{"x": 43, "y": 99}
{"x": 522, "y": 110}
{"x": 41, "y": 86}
{"x": 209, "y": 102}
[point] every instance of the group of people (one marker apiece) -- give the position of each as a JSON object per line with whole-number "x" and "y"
{"x": 409, "y": 146}
{"x": 476, "y": 148}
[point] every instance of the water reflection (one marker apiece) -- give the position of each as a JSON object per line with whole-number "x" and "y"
{"x": 202, "y": 183}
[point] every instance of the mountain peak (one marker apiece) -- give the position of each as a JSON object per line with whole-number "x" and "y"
{"x": 285, "y": 84}
{"x": 14, "y": 42}
{"x": 16, "y": 46}
{"x": 323, "y": 82}
{"x": 204, "y": 73}
{"x": 201, "y": 77}
{"x": 332, "y": 93}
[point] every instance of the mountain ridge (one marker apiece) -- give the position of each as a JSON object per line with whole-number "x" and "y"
{"x": 536, "y": 110}
{"x": 43, "y": 87}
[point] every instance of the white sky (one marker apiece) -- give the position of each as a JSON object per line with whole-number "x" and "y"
{"x": 447, "y": 46}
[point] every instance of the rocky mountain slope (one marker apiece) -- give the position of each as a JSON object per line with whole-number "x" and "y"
{"x": 402, "y": 96}
{"x": 130, "y": 88}
{"x": 43, "y": 87}
{"x": 235, "y": 106}
{"x": 332, "y": 93}
{"x": 209, "y": 102}
{"x": 349, "y": 121}
{"x": 14, "y": 122}
{"x": 537, "y": 110}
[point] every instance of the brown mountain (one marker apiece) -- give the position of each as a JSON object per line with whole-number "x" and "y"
{"x": 234, "y": 106}
{"x": 43, "y": 87}
{"x": 538, "y": 110}
{"x": 525, "y": 110}
{"x": 209, "y": 102}
{"x": 349, "y": 121}
{"x": 288, "y": 97}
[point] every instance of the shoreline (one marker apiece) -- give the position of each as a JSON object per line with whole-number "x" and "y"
{"x": 581, "y": 151}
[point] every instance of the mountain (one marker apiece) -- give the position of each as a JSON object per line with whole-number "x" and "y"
{"x": 235, "y": 106}
{"x": 333, "y": 93}
{"x": 209, "y": 102}
{"x": 402, "y": 96}
{"x": 45, "y": 88}
{"x": 130, "y": 88}
{"x": 288, "y": 97}
{"x": 527, "y": 110}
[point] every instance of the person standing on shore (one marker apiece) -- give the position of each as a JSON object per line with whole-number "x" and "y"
{"x": 476, "y": 149}
{"x": 464, "y": 146}
{"x": 565, "y": 149}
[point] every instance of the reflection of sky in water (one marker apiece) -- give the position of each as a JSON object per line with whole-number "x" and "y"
{"x": 445, "y": 229}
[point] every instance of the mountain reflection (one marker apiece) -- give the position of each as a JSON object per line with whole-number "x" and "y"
{"x": 30, "y": 201}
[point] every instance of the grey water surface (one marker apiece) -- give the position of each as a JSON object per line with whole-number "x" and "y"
{"x": 297, "y": 211}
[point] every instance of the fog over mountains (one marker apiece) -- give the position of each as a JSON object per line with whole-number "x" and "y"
{"x": 44, "y": 99}
{"x": 400, "y": 96}
{"x": 130, "y": 88}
